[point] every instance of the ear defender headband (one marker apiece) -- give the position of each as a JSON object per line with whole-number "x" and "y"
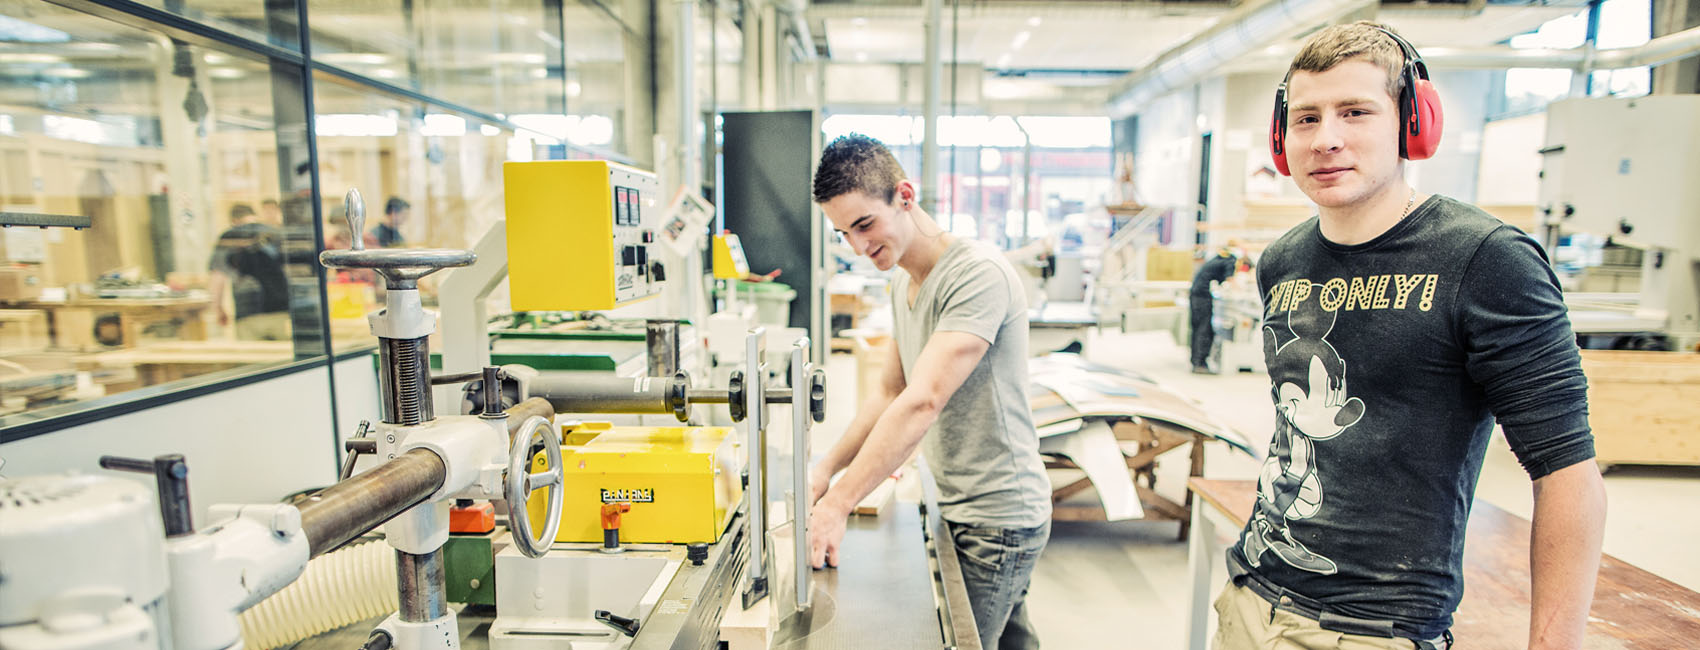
{"x": 1419, "y": 111}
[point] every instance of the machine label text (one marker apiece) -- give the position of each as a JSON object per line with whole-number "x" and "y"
{"x": 631, "y": 495}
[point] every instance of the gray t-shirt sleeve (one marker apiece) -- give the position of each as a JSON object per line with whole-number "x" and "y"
{"x": 976, "y": 302}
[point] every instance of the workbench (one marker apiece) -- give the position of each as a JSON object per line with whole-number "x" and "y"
{"x": 166, "y": 362}
{"x": 898, "y": 586}
{"x": 76, "y": 322}
{"x": 1632, "y": 610}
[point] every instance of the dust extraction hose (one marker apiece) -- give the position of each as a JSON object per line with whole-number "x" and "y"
{"x": 351, "y": 584}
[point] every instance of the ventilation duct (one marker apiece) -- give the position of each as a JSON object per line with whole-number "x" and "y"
{"x": 1661, "y": 50}
{"x": 1237, "y": 34}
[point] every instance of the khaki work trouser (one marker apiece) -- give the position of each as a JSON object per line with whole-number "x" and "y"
{"x": 1244, "y": 622}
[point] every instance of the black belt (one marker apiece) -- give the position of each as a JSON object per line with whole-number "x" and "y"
{"x": 1289, "y": 601}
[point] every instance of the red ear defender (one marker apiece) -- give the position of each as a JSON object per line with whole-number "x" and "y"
{"x": 1419, "y": 112}
{"x": 1278, "y": 131}
{"x": 1422, "y": 141}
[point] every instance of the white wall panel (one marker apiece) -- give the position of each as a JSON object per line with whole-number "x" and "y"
{"x": 252, "y": 444}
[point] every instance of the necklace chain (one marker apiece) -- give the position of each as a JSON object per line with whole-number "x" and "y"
{"x": 1408, "y": 203}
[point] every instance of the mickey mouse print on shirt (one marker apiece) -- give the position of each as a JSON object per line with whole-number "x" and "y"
{"x": 1308, "y": 381}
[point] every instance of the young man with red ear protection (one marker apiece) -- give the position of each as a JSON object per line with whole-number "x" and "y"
{"x": 1399, "y": 327}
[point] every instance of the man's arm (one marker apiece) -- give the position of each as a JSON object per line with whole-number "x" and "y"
{"x": 842, "y": 452}
{"x": 1564, "y": 554}
{"x": 216, "y": 282}
{"x": 1521, "y": 351}
{"x": 944, "y": 364}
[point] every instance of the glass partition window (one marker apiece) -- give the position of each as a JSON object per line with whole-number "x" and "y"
{"x": 198, "y": 264}
{"x": 598, "y": 80}
{"x": 502, "y": 55}
{"x": 430, "y": 178}
{"x": 270, "y": 21}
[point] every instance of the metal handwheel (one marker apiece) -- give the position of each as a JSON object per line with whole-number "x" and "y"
{"x": 521, "y": 482}
{"x": 402, "y": 268}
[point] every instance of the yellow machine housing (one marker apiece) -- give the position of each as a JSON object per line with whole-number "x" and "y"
{"x": 682, "y": 482}
{"x": 577, "y": 236}
{"x": 729, "y": 261}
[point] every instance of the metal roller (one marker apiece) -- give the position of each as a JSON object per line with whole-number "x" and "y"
{"x": 599, "y": 393}
{"x": 592, "y": 393}
{"x": 519, "y": 413}
{"x": 350, "y": 508}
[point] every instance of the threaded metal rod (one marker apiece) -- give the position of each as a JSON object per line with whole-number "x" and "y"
{"x": 405, "y": 381}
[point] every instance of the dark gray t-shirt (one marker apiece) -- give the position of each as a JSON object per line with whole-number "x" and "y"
{"x": 983, "y": 448}
{"x": 1389, "y": 362}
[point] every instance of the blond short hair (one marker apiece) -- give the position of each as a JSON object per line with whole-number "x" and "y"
{"x": 1339, "y": 43}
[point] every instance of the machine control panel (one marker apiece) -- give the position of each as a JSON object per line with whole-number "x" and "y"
{"x": 557, "y": 212}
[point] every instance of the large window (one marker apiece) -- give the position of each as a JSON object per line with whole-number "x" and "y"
{"x": 1622, "y": 23}
{"x": 211, "y": 152}
{"x": 991, "y": 184}
{"x": 502, "y": 55}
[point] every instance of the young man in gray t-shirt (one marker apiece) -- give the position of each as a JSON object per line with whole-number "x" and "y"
{"x": 956, "y": 385}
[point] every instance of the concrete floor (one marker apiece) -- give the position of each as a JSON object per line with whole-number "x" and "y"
{"x": 1115, "y": 585}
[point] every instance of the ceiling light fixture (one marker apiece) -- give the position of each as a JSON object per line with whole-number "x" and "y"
{"x": 30, "y": 57}
{"x": 67, "y": 73}
{"x": 1020, "y": 40}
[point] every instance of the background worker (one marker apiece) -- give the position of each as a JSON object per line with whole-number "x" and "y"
{"x": 1202, "y": 304}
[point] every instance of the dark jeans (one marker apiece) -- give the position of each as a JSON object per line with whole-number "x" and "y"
{"x": 1203, "y": 332}
{"x": 997, "y": 565}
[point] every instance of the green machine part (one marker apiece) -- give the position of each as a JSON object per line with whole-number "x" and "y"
{"x": 469, "y": 568}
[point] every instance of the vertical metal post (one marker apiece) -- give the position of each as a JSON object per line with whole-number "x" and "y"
{"x": 755, "y": 494}
{"x": 935, "y": 79}
{"x": 800, "y": 417}
{"x": 492, "y": 384}
{"x": 419, "y": 579}
{"x": 661, "y": 341}
{"x": 171, "y": 475}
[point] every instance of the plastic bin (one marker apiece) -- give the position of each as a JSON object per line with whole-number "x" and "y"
{"x": 772, "y": 300}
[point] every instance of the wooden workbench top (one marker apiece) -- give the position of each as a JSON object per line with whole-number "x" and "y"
{"x": 1633, "y": 609}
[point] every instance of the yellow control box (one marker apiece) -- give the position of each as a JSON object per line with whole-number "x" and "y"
{"x": 729, "y": 261}
{"x": 578, "y": 237}
{"x": 682, "y": 482}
